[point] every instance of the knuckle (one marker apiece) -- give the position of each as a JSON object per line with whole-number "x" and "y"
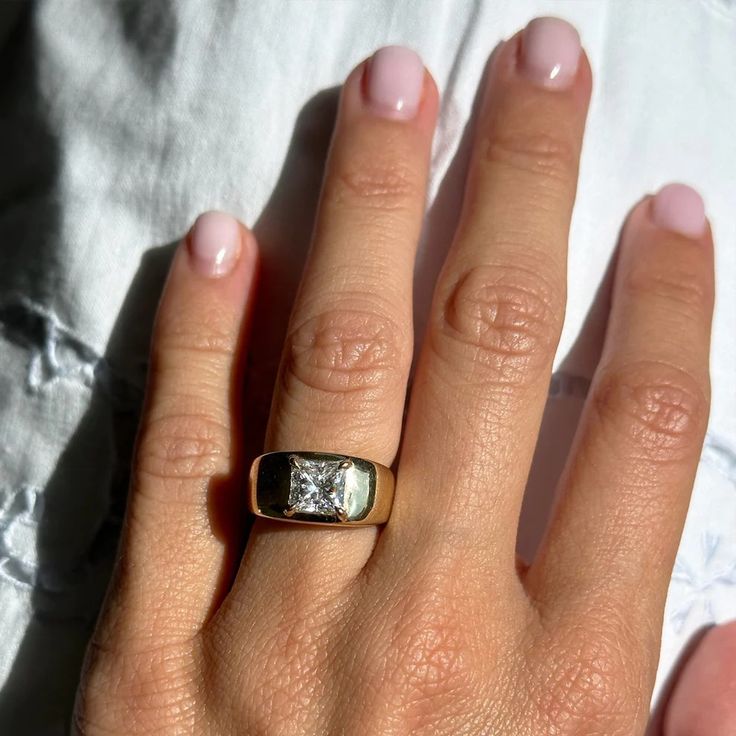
{"x": 177, "y": 447}
{"x": 594, "y": 677}
{"x": 426, "y": 668}
{"x": 502, "y": 322}
{"x": 272, "y": 686}
{"x": 430, "y": 653}
{"x": 681, "y": 287}
{"x": 660, "y": 410}
{"x": 214, "y": 332}
{"x": 346, "y": 352}
{"x": 590, "y": 689}
{"x": 541, "y": 154}
{"x": 384, "y": 181}
{"x": 264, "y": 689}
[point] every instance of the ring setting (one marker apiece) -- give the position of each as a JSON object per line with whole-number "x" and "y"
{"x": 320, "y": 488}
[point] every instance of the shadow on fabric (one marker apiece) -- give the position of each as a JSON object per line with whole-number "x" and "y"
{"x": 39, "y": 693}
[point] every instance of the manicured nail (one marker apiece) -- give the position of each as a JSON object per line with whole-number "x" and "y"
{"x": 214, "y": 243}
{"x": 550, "y": 52}
{"x": 395, "y": 79}
{"x": 679, "y": 208}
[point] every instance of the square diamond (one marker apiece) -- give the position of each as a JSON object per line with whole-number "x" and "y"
{"x": 318, "y": 487}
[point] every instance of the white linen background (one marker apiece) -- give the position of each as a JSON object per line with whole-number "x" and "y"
{"x": 120, "y": 121}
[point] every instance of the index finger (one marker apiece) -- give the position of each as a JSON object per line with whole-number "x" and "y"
{"x": 626, "y": 488}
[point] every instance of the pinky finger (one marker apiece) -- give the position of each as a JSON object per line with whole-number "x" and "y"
{"x": 175, "y": 550}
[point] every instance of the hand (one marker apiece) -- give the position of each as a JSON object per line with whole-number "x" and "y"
{"x": 426, "y": 626}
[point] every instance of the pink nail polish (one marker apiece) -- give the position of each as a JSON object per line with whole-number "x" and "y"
{"x": 214, "y": 243}
{"x": 679, "y": 208}
{"x": 395, "y": 80}
{"x": 550, "y": 52}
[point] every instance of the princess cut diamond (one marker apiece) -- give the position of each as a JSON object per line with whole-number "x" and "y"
{"x": 317, "y": 487}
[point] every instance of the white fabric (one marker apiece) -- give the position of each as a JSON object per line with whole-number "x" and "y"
{"x": 120, "y": 121}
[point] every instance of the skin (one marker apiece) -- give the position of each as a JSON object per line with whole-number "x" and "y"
{"x": 426, "y": 626}
{"x": 703, "y": 701}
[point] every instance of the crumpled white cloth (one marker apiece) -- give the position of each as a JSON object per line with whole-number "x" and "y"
{"x": 120, "y": 121}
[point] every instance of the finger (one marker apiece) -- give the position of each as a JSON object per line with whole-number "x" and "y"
{"x": 567, "y": 392}
{"x": 342, "y": 381}
{"x": 703, "y": 702}
{"x": 625, "y": 491}
{"x": 482, "y": 378}
{"x": 176, "y": 555}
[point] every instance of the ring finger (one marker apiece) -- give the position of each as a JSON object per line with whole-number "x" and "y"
{"x": 345, "y": 364}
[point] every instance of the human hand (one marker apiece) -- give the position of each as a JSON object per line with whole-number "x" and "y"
{"x": 428, "y": 625}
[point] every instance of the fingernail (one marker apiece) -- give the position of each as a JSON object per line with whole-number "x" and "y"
{"x": 214, "y": 243}
{"x": 550, "y": 52}
{"x": 395, "y": 79}
{"x": 679, "y": 208}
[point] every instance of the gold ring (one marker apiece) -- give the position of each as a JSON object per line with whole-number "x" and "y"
{"x": 320, "y": 488}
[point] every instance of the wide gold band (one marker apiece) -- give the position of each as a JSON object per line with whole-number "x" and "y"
{"x": 320, "y": 488}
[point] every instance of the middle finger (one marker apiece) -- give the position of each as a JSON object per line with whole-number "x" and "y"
{"x": 484, "y": 372}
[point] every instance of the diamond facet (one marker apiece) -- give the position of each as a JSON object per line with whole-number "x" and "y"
{"x": 318, "y": 487}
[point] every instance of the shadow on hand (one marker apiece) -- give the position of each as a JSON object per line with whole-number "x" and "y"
{"x": 100, "y": 449}
{"x": 84, "y": 500}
